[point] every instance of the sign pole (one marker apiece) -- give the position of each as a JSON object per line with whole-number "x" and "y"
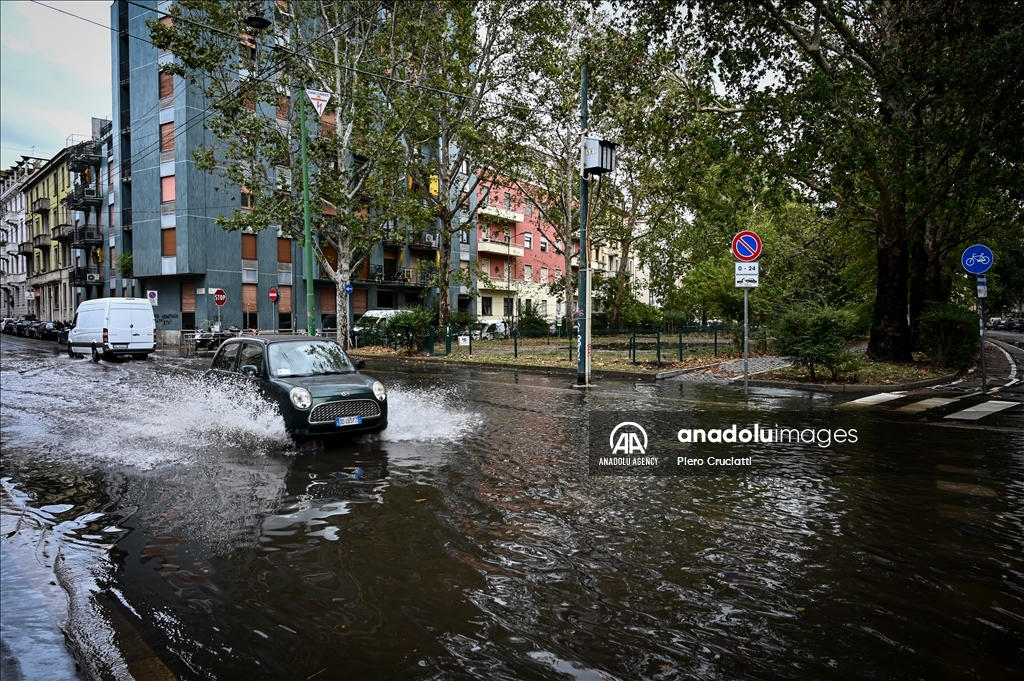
{"x": 978, "y": 259}
{"x": 746, "y": 342}
{"x": 583, "y": 293}
{"x": 981, "y": 327}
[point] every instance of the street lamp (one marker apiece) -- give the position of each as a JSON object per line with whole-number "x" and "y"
{"x": 255, "y": 19}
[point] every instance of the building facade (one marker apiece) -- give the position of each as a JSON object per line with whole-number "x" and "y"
{"x": 13, "y": 233}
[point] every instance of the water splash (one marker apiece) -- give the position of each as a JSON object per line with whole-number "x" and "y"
{"x": 426, "y": 415}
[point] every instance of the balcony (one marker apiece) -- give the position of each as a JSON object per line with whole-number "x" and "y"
{"x": 495, "y": 214}
{"x": 41, "y": 241}
{"x": 62, "y": 232}
{"x": 86, "y": 237}
{"x": 25, "y": 249}
{"x": 85, "y": 276}
{"x": 84, "y": 198}
{"x": 126, "y": 218}
{"x": 425, "y": 242}
{"x": 84, "y": 156}
{"x": 41, "y": 205}
{"x": 396, "y": 275}
{"x": 500, "y": 248}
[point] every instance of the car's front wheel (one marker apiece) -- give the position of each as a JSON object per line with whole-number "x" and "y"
{"x": 96, "y": 354}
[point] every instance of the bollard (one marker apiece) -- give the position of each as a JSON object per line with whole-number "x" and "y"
{"x": 715, "y": 328}
{"x": 447, "y": 341}
{"x": 471, "y": 343}
{"x": 632, "y": 346}
{"x": 657, "y": 342}
{"x": 515, "y": 344}
{"x": 680, "y": 345}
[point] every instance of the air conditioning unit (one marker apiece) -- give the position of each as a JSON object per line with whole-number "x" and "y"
{"x": 90, "y": 192}
{"x": 430, "y": 240}
{"x": 92, "y": 277}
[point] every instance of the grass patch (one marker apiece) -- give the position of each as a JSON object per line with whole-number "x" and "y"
{"x": 866, "y": 372}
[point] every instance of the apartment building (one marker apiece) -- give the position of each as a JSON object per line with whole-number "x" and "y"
{"x": 517, "y": 260}
{"x": 14, "y": 292}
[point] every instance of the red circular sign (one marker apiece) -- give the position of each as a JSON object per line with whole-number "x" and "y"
{"x": 273, "y": 295}
{"x": 746, "y": 246}
{"x": 220, "y": 297}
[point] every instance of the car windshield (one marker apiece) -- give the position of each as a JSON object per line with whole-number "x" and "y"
{"x": 308, "y": 358}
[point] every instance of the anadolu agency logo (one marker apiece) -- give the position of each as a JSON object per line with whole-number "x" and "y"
{"x": 627, "y": 444}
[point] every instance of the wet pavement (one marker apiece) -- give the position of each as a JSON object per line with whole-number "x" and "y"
{"x": 188, "y": 537}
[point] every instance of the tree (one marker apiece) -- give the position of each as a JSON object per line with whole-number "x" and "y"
{"x": 252, "y": 79}
{"x": 467, "y": 60}
{"x": 880, "y": 111}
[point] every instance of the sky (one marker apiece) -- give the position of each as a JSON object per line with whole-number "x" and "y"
{"x": 54, "y": 75}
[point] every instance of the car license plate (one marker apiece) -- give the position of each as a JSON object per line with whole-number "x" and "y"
{"x": 348, "y": 421}
{"x": 120, "y": 345}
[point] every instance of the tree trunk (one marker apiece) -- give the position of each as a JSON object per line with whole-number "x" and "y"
{"x": 890, "y": 330}
{"x": 444, "y": 273}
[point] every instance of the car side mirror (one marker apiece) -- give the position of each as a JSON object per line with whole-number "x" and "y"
{"x": 250, "y": 370}
{"x": 360, "y": 364}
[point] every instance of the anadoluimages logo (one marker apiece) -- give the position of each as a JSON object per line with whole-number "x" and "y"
{"x": 628, "y": 441}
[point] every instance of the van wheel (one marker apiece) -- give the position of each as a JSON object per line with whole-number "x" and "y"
{"x": 95, "y": 354}
{"x": 71, "y": 353}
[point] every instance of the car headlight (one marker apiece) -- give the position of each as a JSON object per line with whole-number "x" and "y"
{"x": 379, "y": 391}
{"x": 301, "y": 398}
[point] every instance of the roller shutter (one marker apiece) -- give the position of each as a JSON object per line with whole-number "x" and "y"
{"x": 328, "y": 301}
{"x": 284, "y": 299}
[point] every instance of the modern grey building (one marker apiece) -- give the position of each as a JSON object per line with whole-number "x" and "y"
{"x": 165, "y": 211}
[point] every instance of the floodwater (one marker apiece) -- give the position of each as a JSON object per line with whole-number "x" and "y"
{"x": 471, "y": 540}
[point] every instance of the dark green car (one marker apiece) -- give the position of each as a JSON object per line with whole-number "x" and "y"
{"x": 316, "y": 385}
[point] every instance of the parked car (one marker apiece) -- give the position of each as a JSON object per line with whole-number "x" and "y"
{"x": 5, "y": 322}
{"x": 1015, "y": 324}
{"x": 111, "y": 328}
{"x": 992, "y": 322}
{"x": 48, "y": 330}
{"x": 316, "y": 385}
{"x": 23, "y": 325}
{"x": 489, "y": 328}
{"x": 371, "y": 323}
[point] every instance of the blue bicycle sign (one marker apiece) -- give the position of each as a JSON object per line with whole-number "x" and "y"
{"x": 977, "y": 259}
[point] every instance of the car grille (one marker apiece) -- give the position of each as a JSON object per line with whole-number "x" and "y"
{"x": 328, "y": 411}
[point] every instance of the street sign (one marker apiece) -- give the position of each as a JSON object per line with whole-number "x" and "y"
{"x": 982, "y": 286}
{"x": 746, "y": 246}
{"x": 977, "y": 259}
{"x": 273, "y": 295}
{"x": 748, "y": 274}
{"x": 153, "y": 297}
{"x": 220, "y": 297}
{"x": 319, "y": 99}
{"x": 349, "y": 289}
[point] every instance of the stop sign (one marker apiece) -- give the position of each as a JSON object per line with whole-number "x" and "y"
{"x": 220, "y": 297}
{"x": 273, "y": 295}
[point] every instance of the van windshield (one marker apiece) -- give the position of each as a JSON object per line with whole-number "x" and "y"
{"x": 308, "y": 358}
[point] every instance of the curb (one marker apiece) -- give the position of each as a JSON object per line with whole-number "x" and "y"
{"x": 853, "y": 387}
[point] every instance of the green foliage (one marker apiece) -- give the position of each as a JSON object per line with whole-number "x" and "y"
{"x": 951, "y": 335}
{"x": 408, "y": 329}
{"x": 126, "y": 265}
{"x": 815, "y": 337}
{"x": 531, "y": 324}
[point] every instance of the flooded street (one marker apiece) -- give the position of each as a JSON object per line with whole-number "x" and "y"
{"x": 192, "y": 539}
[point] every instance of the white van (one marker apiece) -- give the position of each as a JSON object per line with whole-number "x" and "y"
{"x": 371, "y": 319}
{"x": 489, "y": 328}
{"x": 113, "y": 327}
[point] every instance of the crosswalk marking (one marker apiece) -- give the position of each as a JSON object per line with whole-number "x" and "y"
{"x": 929, "y": 403}
{"x": 981, "y": 410}
{"x": 877, "y": 399}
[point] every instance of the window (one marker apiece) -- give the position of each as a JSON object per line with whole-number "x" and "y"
{"x": 282, "y": 107}
{"x": 528, "y": 240}
{"x": 167, "y": 137}
{"x": 528, "y": 272}
{"x": 252, "y": 355}
{"x": 246, "y": 201}
{"x": 543, "y": 244}
{"x": 558, "y": 274}
{"x": 508, "y": 200}
{"x": 386, "y": 299}
{"x": 250, "y": 307}
{"x": 166, "y": 85}
{"x": 249, "y": 247}
{"x": 508, "y": 307}
{"x": 544, "y": 308}
{"x": 168, "y": 242}
{"x": 225, "y": 359}
{"x": 543, "y": 275}
{"x": 529, "y": 208}
{"x": 486, "y": 306}
{"x": 167, "y": 189}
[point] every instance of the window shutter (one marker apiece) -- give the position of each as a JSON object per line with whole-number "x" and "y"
{"x": 248, "y": 247}
{"x": 328, "y": 300}
{"x": 188, "y": 296}
{"x": 169, "y": 245}
{"x": 284, "y": 299}
{"x": 250, "y": 301}
{"x": 284, "y": 250}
